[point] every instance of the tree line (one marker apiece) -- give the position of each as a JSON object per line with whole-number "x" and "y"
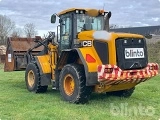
{"x": 8, "y": 29}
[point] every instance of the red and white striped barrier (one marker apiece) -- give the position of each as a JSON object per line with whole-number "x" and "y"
{"x": 112, "y": 74}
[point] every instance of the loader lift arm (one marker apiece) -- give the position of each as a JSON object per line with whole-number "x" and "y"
{"x": 45, "y": 42}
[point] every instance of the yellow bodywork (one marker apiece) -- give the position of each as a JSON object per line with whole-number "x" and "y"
{"x": 94, "y": 11}
{"x": 88, "y": 35}
{"x": 48, "y": 63}
{"x": 44, "y": 62}
{"x": 92, "y": 67}
{"x": 107, "y": 88}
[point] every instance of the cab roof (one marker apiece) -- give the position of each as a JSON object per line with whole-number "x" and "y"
{"x": 73, "y": 9}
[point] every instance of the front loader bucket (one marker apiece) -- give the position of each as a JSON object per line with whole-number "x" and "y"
{"x": 15, "y": 53}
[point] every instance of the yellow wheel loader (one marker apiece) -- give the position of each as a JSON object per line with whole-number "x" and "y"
{"x": 87, "y": 58}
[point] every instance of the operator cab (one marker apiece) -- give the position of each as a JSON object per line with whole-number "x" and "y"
{"x": 73, "y": 21}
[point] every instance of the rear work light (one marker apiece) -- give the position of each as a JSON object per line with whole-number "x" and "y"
{"x": 153, "y": 67}
{"x": 90, "y": 59}
{"x": 108, "y": 70}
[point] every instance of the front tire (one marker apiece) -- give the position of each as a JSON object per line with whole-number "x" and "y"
{"x": 72, "y": 84}
{"x": 32, "y": 79}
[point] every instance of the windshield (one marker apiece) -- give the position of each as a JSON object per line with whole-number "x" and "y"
{"x": 85, "y": 22}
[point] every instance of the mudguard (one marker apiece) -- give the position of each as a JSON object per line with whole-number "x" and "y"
{"x": 44, "y": 69}
{"x": 70, "y": 55}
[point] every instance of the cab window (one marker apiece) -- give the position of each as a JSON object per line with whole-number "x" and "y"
{"x": 65, "y": 33}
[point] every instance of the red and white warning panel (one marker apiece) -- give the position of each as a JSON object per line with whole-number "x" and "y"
{"x": 112, "y": 74}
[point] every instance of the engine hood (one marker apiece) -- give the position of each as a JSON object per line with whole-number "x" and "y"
{"x": 104, "y": 35}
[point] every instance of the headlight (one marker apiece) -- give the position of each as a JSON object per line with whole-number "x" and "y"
{"x": 77, "y": 11}
{"x": 81, "y": 11}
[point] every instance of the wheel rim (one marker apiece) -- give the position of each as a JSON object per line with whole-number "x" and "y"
{"x": 69, "y": 85}
{"x": 31, "y": 78}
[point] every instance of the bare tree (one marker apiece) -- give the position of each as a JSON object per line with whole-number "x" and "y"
{"x": 17, "y": 32}
{"x": 157, "y": 32}
{"x": 6, "y": 26}
{"x": 30, "y": 30}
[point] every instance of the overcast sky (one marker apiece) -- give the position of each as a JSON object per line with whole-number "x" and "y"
{"x": 124, "y": 12}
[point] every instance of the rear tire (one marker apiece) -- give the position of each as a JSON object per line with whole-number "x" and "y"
{"x": 72, "y": 84}
{"x": 32, "y": 79}
{"x": 123, "y": 93}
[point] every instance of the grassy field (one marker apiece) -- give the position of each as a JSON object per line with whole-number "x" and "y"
{"x": 16, "y": 103}
{"x": 154, "y": 52}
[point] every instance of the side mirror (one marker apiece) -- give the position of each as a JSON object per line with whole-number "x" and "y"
{"x": 53, "y": 18}
{"x": 109, "y": 14}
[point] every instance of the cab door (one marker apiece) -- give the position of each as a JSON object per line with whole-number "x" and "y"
{"x": 65, "y": 32}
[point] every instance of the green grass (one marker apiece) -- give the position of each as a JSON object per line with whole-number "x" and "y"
{"x": 16, "y": 103}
